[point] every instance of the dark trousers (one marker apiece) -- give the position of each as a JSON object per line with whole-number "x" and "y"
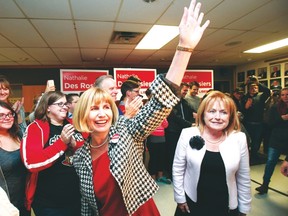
{"x": 273, "y": 156}
{"x": 157, "y": 152}
{"x": 68, "y": 211}
{"x": 206, "y": 211}
{"x": 255, "y": 132}
{"x": 171, "y": 142}
{"x": 266, "y": 136}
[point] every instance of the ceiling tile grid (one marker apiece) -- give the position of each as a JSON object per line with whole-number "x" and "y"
{"x": 58, "y": 33}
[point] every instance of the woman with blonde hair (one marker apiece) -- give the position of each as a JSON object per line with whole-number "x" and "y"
{"x": 211, "y": 173}
{"x": 113, "y": 178}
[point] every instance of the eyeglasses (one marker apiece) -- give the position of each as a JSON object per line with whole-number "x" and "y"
{"x": 62, "y": 104}
{"x": 136, "y": 91}
{"x": 3, "y": 116}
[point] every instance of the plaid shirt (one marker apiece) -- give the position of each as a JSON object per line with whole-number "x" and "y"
{"x": 126, "y": 153}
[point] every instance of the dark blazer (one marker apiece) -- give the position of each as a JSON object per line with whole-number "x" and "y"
{"x": 126, "y": 153}
{"x": 279, "y": 131}
{"x": 176, "y": 120}
{"x": 256, "y": 111}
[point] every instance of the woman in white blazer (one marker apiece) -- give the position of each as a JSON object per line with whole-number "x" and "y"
{"x": 211, "y": 173}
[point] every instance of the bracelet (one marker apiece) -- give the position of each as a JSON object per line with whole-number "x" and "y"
{"x": 185, "y": 49}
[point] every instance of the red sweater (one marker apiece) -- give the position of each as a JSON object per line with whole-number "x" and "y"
{"x": 160, "y": 131}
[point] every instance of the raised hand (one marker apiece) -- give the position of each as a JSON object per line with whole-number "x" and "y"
{"x": 190, "y": 28}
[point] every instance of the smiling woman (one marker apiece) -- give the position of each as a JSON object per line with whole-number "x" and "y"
{"x": 205, "y": 172}
{"x": 5, "y": 93}
{"x": 47, "y": 151}
{"x": 113, "y": 178}
{"x": 14, "y": 171}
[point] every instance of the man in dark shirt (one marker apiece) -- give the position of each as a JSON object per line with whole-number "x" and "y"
{"x": 180, "y": 117}
{"x": 236, "y": 96}
{"x": 253, "y": 110}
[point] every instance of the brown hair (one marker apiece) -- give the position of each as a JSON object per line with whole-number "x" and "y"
{"x": 4, "y": 83}
{"x": 46, "y": 100}
{"x": 282, "y": 107}
{"x": 13, "y": 131}
{"x": 208, "y": 101}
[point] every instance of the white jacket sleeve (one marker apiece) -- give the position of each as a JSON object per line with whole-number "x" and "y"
{"x": 7, "y": 208}
{"x": 179, "y": 167}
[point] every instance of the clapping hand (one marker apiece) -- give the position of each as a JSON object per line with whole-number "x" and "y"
{"x": 67, "y": 133}
{"x": 17, "y": 105}
{"x": 132, "y": 107}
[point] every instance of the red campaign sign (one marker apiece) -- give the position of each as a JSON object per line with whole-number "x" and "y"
{"x": 79, "y": 80}
{"x": 145, "y": 75}
{"x": 203, "y": 77}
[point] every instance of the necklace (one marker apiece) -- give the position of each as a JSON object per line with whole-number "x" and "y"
{"x": 98, "y": 146}
{"x": 215, "y": 142}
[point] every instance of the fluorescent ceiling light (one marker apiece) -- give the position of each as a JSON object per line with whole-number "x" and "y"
{"x": 158, "y": 36}
{"x": 268, "y": 47}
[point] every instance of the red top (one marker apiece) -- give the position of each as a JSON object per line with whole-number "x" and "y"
{"x": 121, "y": 107}
{"x": 108, "y": 193}
{"x": 160, "y": 131}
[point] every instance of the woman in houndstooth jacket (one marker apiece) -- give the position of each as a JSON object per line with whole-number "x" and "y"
{"x": 113, "y": 178}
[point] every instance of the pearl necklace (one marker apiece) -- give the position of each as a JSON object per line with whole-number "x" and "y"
{"x": 215, "y": 142}
{"x": 98, "y": 146}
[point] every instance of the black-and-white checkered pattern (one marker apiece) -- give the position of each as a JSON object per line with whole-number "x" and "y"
{"x": 126, "y": 155}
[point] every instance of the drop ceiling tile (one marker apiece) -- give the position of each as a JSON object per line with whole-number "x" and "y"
{"x": 54, "y": 63}
{"x": 21, "y": 33}
{"x": 141, "y": 12}
{"x": 94, "y": 34}
{"x": 274, "y": 26}
{"x": 93, "y": 54}
{"x": 41, "y": 54}
{"x": 32, "y": 63}
{"x": 10, "y": 63}
{"x": 9, "y": 9}
{"x": 99, "y": 10}
{"x": 53, "y": 9}
{"x": 117, "y": 54}
{"x": 261, "y": 15}
{"x": 218, "y": 37}
{"x": 68, "y": 54}
{"x": 15, "y": 54}
{"x": 57, "y": 33}
{"x": 230, "y": 11}
{"x": 173, "y": 14}
{"x": 4, "y": 59}
{"x": 5, "y": 42}
{"x": 132, "y": 27}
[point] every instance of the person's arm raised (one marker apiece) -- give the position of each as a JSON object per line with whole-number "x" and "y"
{"x": 190, "y": 33}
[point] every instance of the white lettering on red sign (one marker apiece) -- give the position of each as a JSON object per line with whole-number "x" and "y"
{"x": 75, "y": 77}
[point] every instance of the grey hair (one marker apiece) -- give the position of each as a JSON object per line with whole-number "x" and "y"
{"x": 100, "y": 79}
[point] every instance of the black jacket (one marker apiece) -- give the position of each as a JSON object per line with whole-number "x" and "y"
{"x": 255, "y": 113}
{"x": 176, "y": 120}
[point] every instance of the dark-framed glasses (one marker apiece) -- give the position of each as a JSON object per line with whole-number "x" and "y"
{"x": 62, "y": 104}
{"x": 136, "y": 91}
{"x": 3, "y": 116}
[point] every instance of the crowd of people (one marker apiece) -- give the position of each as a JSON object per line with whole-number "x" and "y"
{"x": 85, "y": 154}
